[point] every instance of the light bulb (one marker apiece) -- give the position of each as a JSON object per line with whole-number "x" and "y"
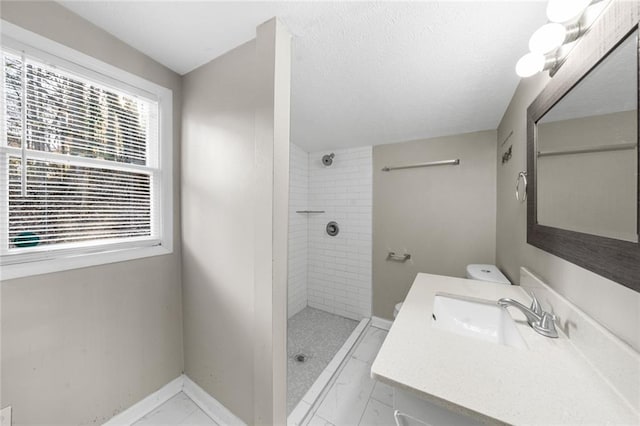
{"x": 566, "y": 10}
{"x": 530, "y": 64}
{"x": 548, "y": 38}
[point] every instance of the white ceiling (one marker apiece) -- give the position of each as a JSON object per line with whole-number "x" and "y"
{"x": 363, "y": 73}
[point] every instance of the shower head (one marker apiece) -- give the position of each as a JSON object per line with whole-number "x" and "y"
{"x": 327, "y": 160}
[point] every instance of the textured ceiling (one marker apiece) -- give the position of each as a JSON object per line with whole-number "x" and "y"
{"x": 363, "y": 72}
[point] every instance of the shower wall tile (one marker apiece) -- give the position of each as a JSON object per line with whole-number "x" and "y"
{"x": 298, "y": 240}
{"x": 339, "y": 268}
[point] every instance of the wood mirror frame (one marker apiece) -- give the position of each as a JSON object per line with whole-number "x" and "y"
{"x": 617, "y": 260}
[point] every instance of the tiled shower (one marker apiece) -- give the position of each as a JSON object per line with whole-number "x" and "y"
{"x": 298, "y": 230}
{"x": 330, "y": 273}
{"x": 339, "y": 268}
{"x": 329, "y": 277}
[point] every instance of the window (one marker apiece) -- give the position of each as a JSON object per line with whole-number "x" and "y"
{"x": 85, "y": 168}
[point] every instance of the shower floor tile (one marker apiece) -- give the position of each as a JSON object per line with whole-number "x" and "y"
{"x": 318, "y": 335}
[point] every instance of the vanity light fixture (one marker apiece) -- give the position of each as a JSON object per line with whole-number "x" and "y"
{"x": 552, "y": 36}
{"x": 568, "y": 21}
{"x": 533, "y": 63}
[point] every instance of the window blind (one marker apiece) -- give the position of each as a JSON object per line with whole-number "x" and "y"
{"x": 78, "y": 160}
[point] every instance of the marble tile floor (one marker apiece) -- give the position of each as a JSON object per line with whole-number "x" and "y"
{"x": 318, "y": 335}
{"x": 355, "y": 399}
{"x": 178, "y": 411}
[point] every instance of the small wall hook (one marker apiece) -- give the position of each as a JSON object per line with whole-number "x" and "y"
{"x": 507, "y": 155}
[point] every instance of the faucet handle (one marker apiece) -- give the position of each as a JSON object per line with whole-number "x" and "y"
{"x": 547, "y": 325}
{"x": 535, "y": 304}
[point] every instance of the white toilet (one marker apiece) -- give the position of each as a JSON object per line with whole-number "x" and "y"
{"x": 396, "y": 309}
{"x": 480, "y": 272}
{"x": 488, "y": 273}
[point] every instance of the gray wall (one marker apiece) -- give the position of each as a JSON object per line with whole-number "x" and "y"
{"x": 443, "y": 216}
{"x": 80, "y": 346}
{"x": 234, "y": 201}
{"x": 614, "y": 306}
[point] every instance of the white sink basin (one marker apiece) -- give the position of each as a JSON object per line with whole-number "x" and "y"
{"x": 477, "y": 318}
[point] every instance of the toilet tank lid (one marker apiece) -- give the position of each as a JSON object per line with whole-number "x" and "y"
{"x": 489, "y": 273}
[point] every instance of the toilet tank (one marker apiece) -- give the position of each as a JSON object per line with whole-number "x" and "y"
{"x": 489, "y": 273}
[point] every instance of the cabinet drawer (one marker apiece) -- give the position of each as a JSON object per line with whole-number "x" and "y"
{"x": 403, "y": 419}
{"x": 416, "y": 411}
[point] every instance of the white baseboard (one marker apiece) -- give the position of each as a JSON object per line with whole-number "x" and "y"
{"x": 382, "y": 323}
{"x": 212, "y": 408}
{"x": 148, "y": 404}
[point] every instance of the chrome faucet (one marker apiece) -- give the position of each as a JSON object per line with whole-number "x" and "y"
{"x": 541, "y": 321}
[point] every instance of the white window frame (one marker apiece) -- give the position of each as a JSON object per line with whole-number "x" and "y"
{"x": 28, "y": 264}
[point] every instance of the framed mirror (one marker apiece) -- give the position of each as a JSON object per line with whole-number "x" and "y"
{"x": 582, "y": 153}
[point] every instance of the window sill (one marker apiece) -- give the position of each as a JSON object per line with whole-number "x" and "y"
{"x": 65, "y": 263}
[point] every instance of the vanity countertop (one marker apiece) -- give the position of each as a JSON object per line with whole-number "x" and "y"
{"x": 551, "y": 382}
